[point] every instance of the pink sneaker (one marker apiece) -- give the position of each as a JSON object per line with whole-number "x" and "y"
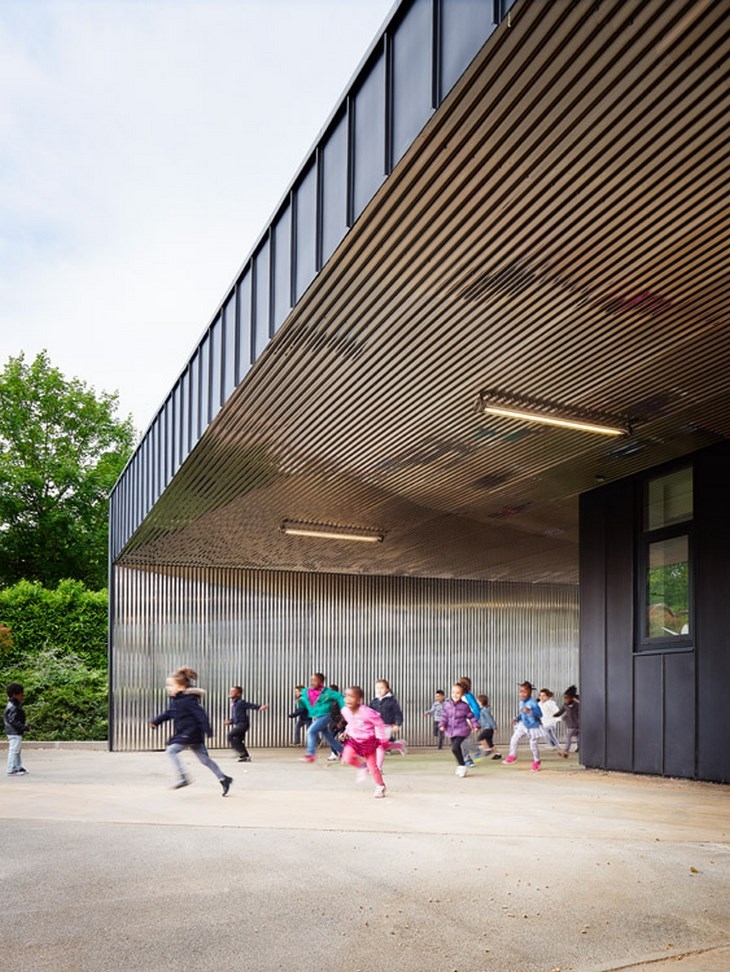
{"x": 536, "y": 766}
{"x": 511, "y": 759}
{"x": 307, "y": 759}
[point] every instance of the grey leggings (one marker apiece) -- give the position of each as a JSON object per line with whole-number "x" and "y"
{"x": 201, "y": 751}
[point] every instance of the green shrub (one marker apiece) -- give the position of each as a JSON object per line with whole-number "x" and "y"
{"x": 54, "y": 642}
{"x": 69, "y": 617}
{"x": 64, "y": 698}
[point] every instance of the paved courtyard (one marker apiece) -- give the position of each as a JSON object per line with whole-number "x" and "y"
{"x": 104, "y": 867}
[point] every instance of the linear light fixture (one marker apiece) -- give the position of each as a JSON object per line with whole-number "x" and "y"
{"x": 326, "y": 531}
{"x": 549, "y": 413}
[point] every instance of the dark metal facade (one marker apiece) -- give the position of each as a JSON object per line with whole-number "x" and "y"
{"x": 658, "y": 711}
{"x": 269, "y": 630}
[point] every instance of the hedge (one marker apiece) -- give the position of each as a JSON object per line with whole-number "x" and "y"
{"x": 54, "y": 642}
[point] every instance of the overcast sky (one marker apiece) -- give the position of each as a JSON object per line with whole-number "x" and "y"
{"x": 144, "y": 145}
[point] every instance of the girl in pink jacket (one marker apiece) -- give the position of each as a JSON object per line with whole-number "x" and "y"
{"x": 364, "y": 734}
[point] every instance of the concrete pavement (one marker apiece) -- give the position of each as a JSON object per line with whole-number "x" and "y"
{"x": 299, "y": 868}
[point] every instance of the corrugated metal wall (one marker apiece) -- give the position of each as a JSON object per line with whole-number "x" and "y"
{"x": 268, "y": 631}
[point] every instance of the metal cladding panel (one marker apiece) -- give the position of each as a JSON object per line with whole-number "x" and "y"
{"x": 268, "y": 631}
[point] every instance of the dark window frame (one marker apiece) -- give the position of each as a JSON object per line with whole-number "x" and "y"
{"x": 643, "y": 643}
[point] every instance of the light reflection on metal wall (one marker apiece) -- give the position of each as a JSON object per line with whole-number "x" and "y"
{"x": 268, "y": 631}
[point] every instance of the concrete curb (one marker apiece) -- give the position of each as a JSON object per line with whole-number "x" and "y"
{"x": 90, "y": 746}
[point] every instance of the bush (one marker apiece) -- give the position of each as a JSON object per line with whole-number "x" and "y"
{"x": 54, "y": 642}
{"x": 69, "y": 618}
{"x": 64, "y": 698}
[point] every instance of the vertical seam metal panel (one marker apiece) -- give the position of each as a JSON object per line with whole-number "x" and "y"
{"x": 268, "y": 631}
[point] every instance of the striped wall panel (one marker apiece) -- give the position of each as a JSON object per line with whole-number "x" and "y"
{"x": 268, "y": 631}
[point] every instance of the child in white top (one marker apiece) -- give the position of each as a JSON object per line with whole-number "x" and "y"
{"x": 549, "y": 708}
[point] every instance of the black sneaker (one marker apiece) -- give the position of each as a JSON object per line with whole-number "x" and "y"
{"x": 183, "y": 781}
{"x": 226, "y": 784}
{"x": 497, "y": 756}
{"x": 244, "y": 759}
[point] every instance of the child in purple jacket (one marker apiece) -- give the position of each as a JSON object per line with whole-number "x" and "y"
{"x": 457, "y": 723}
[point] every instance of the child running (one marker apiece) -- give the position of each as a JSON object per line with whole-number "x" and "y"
{"x": 487, "y": 730}
{"x": 457, "y": 723}
{"x": 436, "y": 712}
{"x": 527, "y": 723}
{"x": 549, "y": 709}
{"x": 365, "y": 733}
{"x": 570, "y": 710}
{"x": 191, "y": 726}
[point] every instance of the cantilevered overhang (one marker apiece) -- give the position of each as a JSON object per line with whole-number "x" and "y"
{"x": 558, "y": 231}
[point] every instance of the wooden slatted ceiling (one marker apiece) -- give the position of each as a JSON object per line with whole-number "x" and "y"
{"x": 560, "y": 230}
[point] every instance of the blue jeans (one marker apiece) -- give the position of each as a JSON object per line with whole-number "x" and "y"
{"x": 321, "y": 724}
{"x": 14, "y": 760}
{"x": 201, "y": 751}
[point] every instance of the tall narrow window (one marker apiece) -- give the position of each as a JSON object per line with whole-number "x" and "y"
{"x": 665, "y": 598}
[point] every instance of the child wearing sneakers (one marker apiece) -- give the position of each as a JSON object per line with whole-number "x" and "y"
{"x": 436, "y": 712}
{"x": 527, "y": 723}
{"x": 570, "y": 710}
{"x": 190, "y": 727}
{"x": 457, "y": 723}
{"x": 15, "y": 727}
{"x": 365, "y": 733}
{"x": 487, "y": 728}
{"x": 549, "y": 709}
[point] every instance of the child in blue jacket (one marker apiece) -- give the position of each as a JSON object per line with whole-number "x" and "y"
{"x": 528, "y": 722}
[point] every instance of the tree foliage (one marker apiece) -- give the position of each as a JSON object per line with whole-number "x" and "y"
{"x": 62, "y": 448}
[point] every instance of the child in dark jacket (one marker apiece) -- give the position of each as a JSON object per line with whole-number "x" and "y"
{"x": 15, "y": 728}
{"x": 240, "y": 722}
{"x": 301, "y": 714}
{"x": 191, "y": 727}
{"x": 570, "y": 711}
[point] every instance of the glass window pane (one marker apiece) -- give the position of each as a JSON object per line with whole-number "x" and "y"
{"x": 411, "y": 76}
{"x": 466, "y": 24}
{"x": 261, "y": 300}
{"x": 281, "y": 255}
{"x": 306, "y": 235}
{"x": 369, "y": 143}
{"x": 245, "y": 339}
{"x": 216, "y": 367}
{"x": 334, "y": 189}
{"x": 668, "y": 500}
{"x": 229, "y": 346}
{"x": 667, "y": 588}
{"x": 204, "y": 358}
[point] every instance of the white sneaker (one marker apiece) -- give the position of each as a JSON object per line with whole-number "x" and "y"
{"x": 332, "y": 758}
{"x": 379, "y": 792}
{"x": 362, "y": 774}
{"x": 461, "y": 770}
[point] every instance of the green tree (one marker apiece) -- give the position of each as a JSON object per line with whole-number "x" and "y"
{"x": 62, "y": 448}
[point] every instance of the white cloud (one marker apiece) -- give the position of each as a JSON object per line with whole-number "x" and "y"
{"x": 143, "y": 147}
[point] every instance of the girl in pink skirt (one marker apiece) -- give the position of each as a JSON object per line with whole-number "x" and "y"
{"x": 364, "y": 735}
